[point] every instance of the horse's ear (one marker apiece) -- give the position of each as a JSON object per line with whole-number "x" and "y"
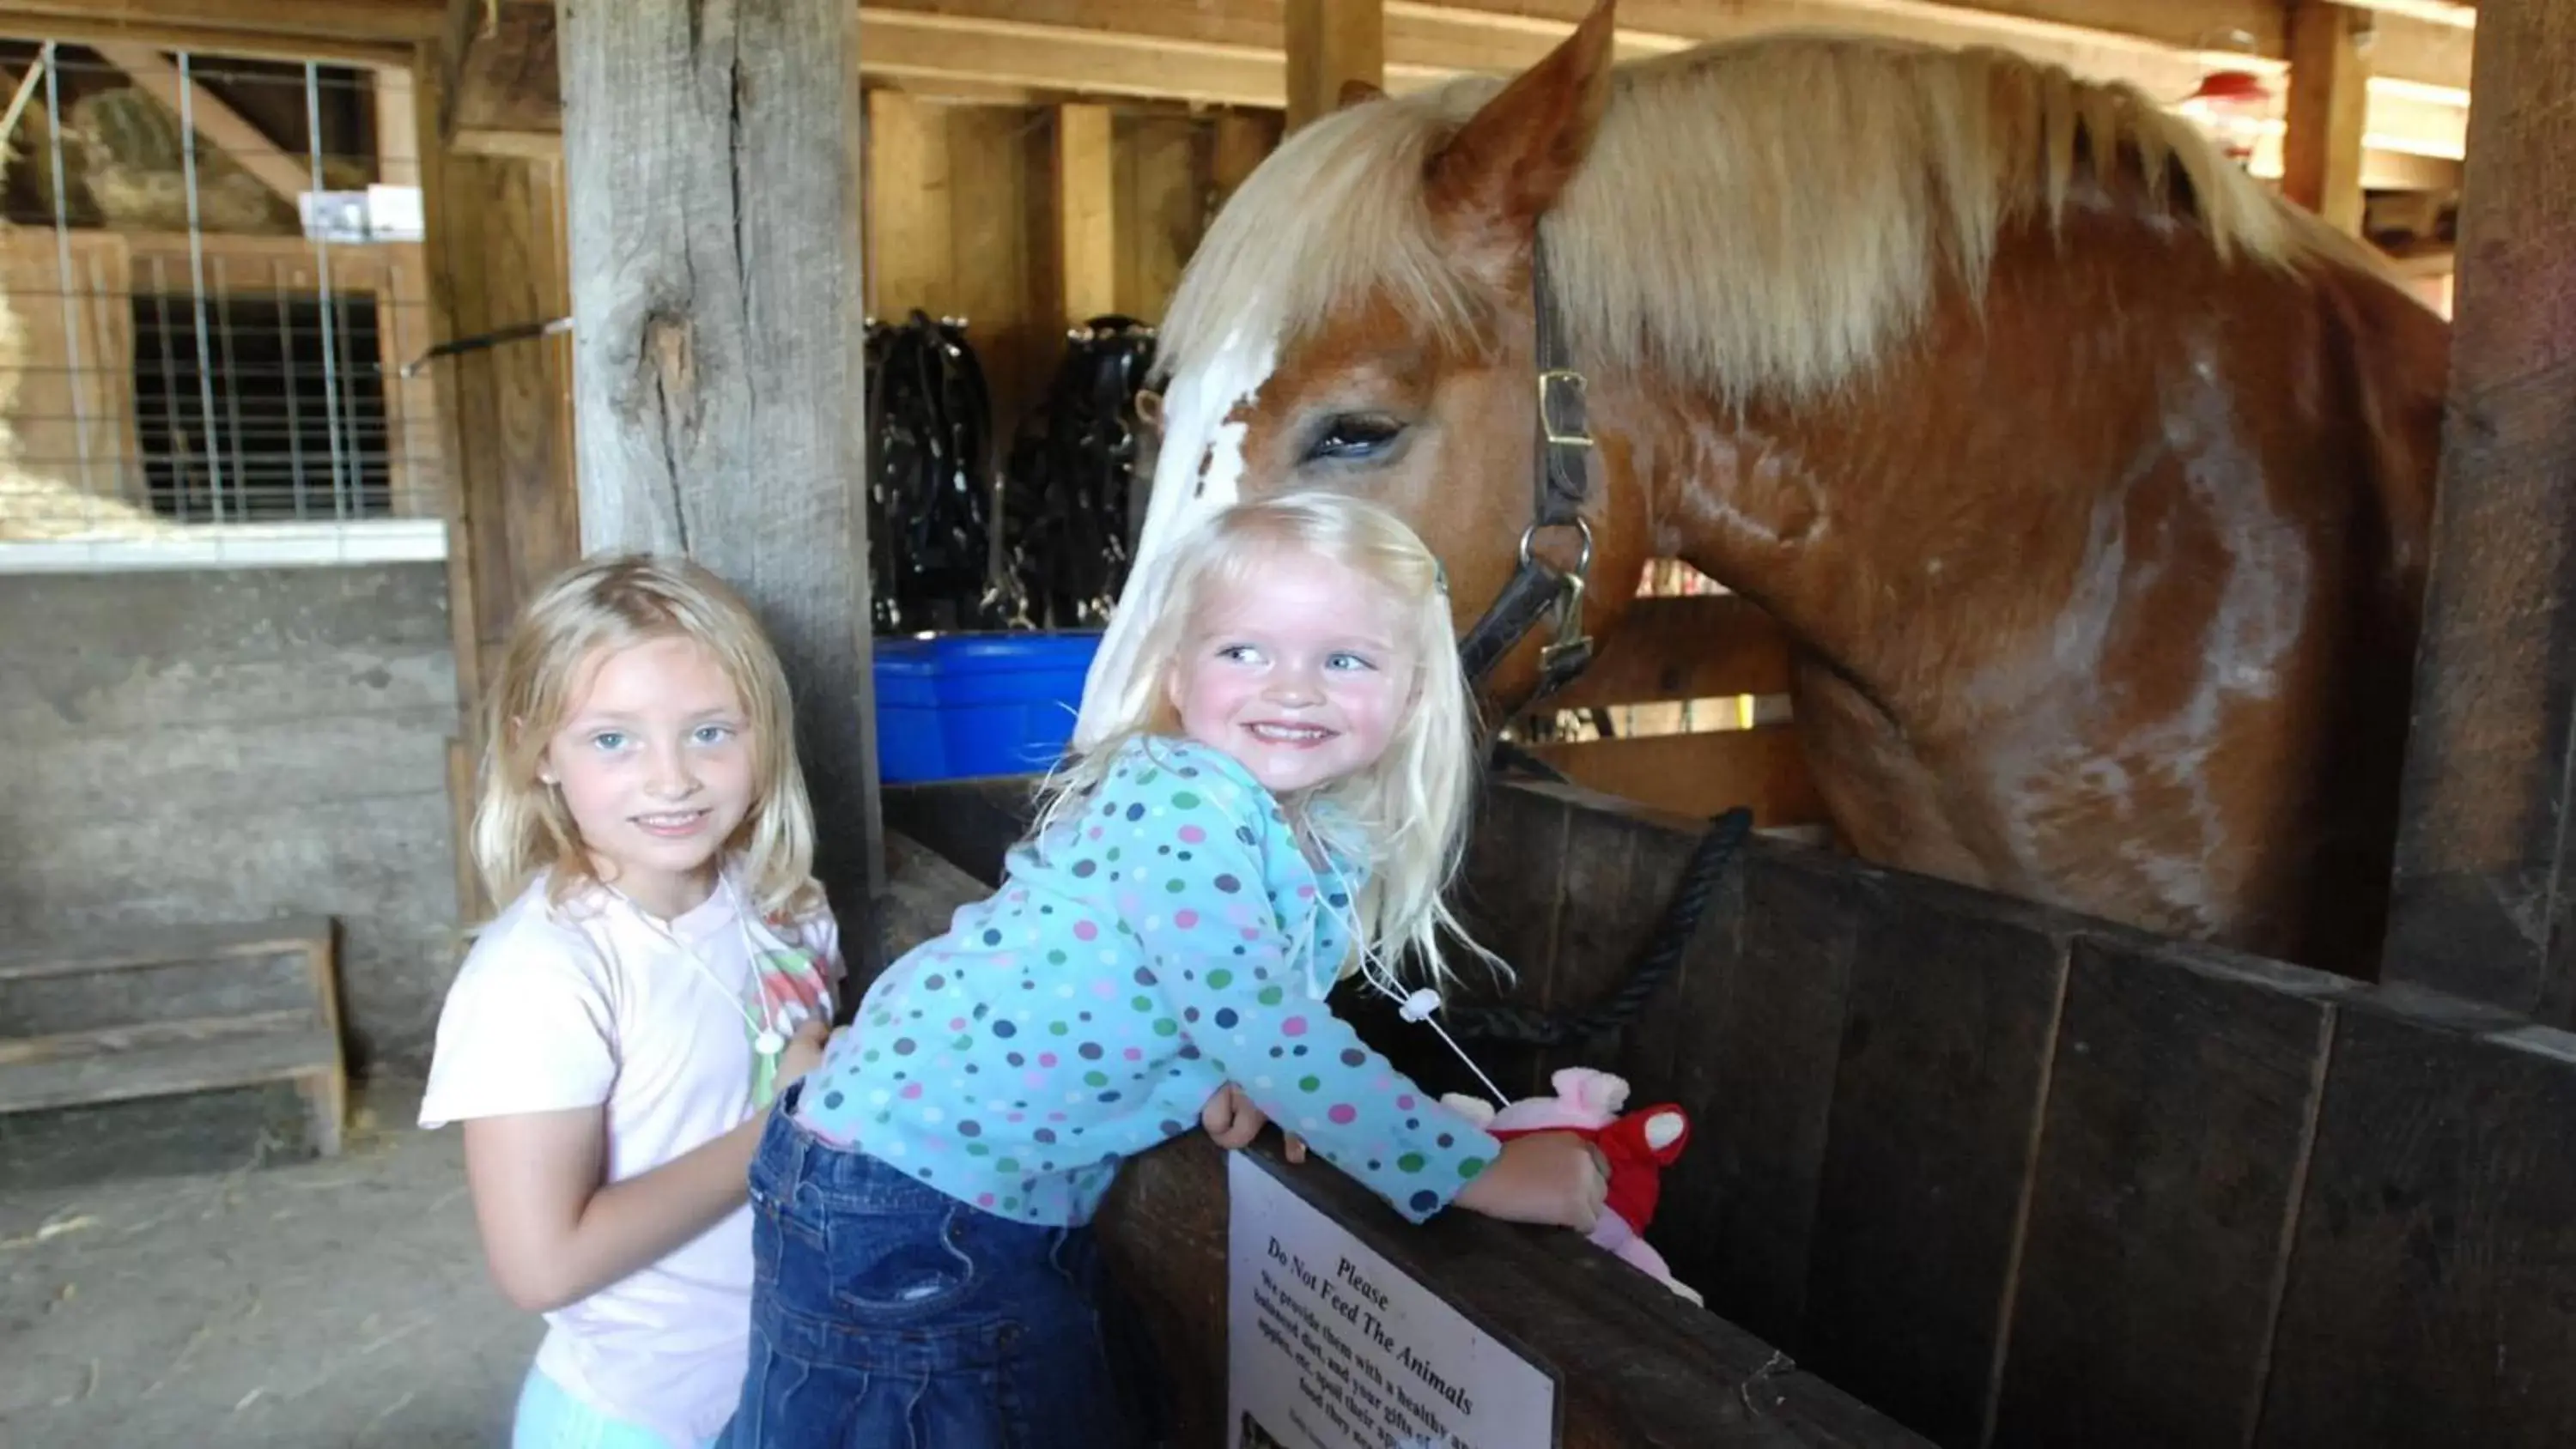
{"x": 1506, "y": 165}
{"x": 1357, "y": 92}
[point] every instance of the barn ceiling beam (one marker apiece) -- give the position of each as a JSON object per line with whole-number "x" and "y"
{"x": 381, "y": 35}
{"x": 1233, "y": 54}
{"x": 158, "y": 77}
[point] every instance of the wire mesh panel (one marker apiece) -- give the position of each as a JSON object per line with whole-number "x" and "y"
{"x": 210, "y": 279}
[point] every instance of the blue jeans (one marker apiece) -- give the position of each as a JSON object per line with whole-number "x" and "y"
{"x": 886, "y": 1314}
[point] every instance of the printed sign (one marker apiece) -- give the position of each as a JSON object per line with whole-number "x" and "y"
{"x": 1331, "y": 1347}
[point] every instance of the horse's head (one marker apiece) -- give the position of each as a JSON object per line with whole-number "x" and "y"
{"x": 1360, "y": 318}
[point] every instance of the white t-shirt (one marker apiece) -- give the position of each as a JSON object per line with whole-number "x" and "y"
{"x": 591, "y": 1002}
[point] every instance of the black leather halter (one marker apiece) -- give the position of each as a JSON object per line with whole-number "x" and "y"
{"x": 1564, "y": 478}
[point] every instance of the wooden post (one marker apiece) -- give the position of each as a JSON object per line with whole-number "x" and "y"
{"x": 712, "y": 154}
{"x": 2329, "y": 106}
{"x": 2484, "y": 898}
{"x": 1086, "y": 212}
{"x": 1331, "y": 43}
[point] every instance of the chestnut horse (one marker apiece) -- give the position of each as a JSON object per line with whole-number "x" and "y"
{"x": 2090, "y": 481}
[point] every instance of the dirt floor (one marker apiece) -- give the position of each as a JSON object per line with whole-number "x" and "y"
{"x": 169, "y": 1278}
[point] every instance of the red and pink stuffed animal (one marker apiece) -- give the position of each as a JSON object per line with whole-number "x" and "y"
{"x": 1639, "y": 1145}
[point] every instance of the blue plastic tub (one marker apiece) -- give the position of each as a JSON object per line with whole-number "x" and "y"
{"x": 955, "y": 706}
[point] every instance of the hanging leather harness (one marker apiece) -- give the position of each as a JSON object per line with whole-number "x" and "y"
{"x": 1070, "y": 484}
{"x": 1563, "y": 480}
{"x": 929, "y": 424}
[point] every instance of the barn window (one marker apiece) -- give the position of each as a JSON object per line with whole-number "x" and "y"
{"x": 288, "y": 422}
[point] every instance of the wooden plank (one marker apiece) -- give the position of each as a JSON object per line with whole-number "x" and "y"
{"x": 135, "y": 947}
{"x": 1510, "y": 892}
{"x": 216, "y": 121}
{"x": 178, "y": 617}
{"x": 1761, "y": 1012}
{"x": 1234, "y": 55}
{"x": 2428, "y": 1298}
{"x": 162, "y": 1071}
{"x": 64, "y": 697}
{"x": 1622, "y": 871}
{"x": 1691, "y": 646}
{"x": 2328, "y": 106}
{"x": 376, "y": 33}
{"x": 2482, "y": 905}
{"x": 1331, "y": 44}
{"x": 149, "y": 1035}
{"x": 466, "y": 565}
{"x": 1640, "y": 1369}
{"x": 1699, "y": 774}
{"x": 213, "y": 769}
{"x": 1086, "y": 212}
{"x": 2172, "y": 1158}
{"x": 910, "y": 252}
{"x": 1944, "y": 1066}
{"x": 496, "y": 258}
{"x": 1160, "y": 202}
{"x": 718, "y": 311}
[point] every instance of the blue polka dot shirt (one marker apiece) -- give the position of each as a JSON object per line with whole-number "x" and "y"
{"x": 1168, "y": 938}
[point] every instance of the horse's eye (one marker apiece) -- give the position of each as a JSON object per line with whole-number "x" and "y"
{"x": 1352, "y": 436}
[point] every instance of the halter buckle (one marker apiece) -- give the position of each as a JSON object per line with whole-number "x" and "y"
{"x": 1578, "y": 432}
{"x": 1571, "y": 649}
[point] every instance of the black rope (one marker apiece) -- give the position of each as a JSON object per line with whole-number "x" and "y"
{"x": 1070, "y": 486}
{"x": 930, "y": 478}
{"x": 1526, "y": 1026}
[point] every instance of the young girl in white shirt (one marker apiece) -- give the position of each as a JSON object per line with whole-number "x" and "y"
{"x": 665, "y": 966}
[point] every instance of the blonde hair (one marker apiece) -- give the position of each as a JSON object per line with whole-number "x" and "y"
{"x": 1410, "y": 809}
{"x": 614, "y": 602}
{"x": 1765, "y": 217}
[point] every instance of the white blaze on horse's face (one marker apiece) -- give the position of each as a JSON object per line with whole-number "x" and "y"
{"x": 1199, "y": 471}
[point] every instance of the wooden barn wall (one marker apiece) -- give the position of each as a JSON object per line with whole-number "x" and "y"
{"x": 2017, "y": 1177}
{"x": 203, "y": 746}
{"x": 961, "y": 221}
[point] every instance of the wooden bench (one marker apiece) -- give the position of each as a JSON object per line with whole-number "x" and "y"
{"x": 113, "y": 1016}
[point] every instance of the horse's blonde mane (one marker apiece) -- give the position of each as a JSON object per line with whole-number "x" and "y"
{"x": 1761, "y": 217}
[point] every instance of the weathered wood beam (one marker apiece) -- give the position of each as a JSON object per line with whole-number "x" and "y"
{"x": 713, "y": 157}
{"x": 2456, "y": 13}
{"x": 1332, "y": 44}
{"x": 2485, "y": 900}
{"x": 378, "y": 33}
{"x": 1084, "y": 184}
{"x": 503, "y": 77}
{"x": 158, "y": 77}
{"x": 1234, "y": 54}
{"x": 2328, "y": 103}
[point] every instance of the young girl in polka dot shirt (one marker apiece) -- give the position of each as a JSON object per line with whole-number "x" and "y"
{"x": 1281, "y": 799}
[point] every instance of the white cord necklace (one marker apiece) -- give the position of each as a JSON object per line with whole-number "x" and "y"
{"x": 767, "y": 1040}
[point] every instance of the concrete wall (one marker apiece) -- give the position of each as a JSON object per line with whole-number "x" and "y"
{"x": 231, "y": 744}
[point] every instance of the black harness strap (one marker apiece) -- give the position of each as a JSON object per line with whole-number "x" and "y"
{"x": 1563, "y": 488}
